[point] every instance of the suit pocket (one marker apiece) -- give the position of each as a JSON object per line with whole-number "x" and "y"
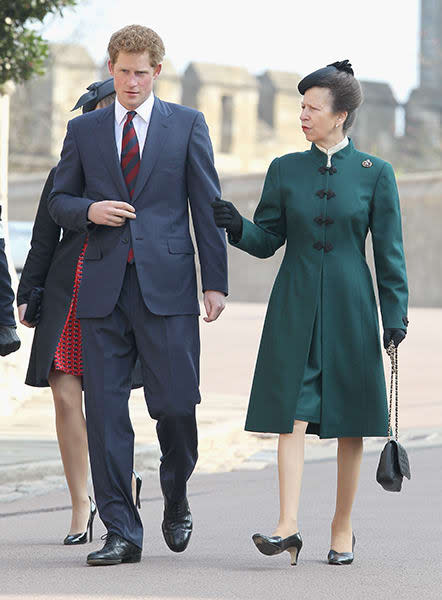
{"x": 180, "y": 246}
{"x": 93, "y": 250}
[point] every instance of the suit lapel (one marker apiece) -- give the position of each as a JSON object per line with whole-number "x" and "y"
{"x": 108, "y": 149}
{"x": 156, "y": 136}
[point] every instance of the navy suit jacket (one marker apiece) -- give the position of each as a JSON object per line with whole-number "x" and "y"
{"x": 6, "y": 293}
{"x": 177, "y": 170}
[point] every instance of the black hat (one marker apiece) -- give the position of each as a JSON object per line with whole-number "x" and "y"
{"x": 97, "y": 91}
{"x": 316, "y": 77}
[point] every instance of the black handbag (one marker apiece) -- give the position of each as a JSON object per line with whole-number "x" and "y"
{"x": 393, "y": 464}
{"x": 33, "y": 310}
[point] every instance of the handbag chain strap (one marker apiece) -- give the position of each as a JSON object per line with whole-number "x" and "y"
{"x": 394, "y": 382}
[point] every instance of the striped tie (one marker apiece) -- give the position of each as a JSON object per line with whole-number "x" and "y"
{"x": 130, "y": 160}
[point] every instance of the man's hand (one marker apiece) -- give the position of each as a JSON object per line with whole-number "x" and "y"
{"x": 215, "y": 303}
{"x": 9, "y": 340}
{"x": 110, "y": 212}
{"x": 21, "y": 315}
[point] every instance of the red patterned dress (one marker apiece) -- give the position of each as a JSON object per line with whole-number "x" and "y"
{"x": 68, "y": 355}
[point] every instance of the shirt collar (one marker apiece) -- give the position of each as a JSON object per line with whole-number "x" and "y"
{"x": 144, "y": 110}
{"x": 335, "y": 148}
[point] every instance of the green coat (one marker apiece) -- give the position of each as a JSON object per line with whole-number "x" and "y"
{"x": 324, "y": 268}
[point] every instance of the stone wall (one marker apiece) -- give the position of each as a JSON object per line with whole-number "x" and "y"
{"x": 251, "y": 118}
{"x": 40, "y": 108}
{"x": 374, "y": 128}
{"x": 251, "y": 278}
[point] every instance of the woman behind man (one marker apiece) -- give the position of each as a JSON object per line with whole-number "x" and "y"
{"x": 56, "y": 357}
{"x": 319, "y": 368}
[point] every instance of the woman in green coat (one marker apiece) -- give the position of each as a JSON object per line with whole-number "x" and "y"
{"x": 319, "y": 368}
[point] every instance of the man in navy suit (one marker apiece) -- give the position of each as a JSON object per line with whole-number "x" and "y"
{"x": 9, "y": 341}
{"x": 128, "y": 174}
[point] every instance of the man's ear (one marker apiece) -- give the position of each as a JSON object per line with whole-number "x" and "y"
{"x": 157, "y": 71}
{"x": 110, "y": 66}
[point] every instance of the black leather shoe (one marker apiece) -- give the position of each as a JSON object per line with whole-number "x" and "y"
{"x": 270, "y": 546}
{"x": 115, "y": 551}
{"x": 73, "y": 539}
{"x": 177, "y": 525}
{"x": 342, "y": 558}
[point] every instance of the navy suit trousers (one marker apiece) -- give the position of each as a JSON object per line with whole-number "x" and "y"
{"x": 169, "y": 348}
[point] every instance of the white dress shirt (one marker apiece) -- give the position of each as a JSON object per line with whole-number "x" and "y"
{"x": 333, "y": 149}
{"x": 141, "y": 122}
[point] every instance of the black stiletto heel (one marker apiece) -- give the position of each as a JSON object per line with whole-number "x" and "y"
{"x": 270, "y": 546}
{"x": 81, "y": 538}
{"x": 138, "y": 484}
{"x": 342, "y": 558}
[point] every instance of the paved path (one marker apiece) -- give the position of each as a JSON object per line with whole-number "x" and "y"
{"x": 29, "y": 457}
{"x": 399, "y": 543}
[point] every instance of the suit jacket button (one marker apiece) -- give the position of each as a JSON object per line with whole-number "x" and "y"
{"x": 125, "y": 240}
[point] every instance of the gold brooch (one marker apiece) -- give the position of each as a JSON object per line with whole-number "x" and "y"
{"x": 367, "y": 163}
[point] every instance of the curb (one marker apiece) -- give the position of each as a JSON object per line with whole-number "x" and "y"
{"x": 413, "y": 439}
{"x": 147, "y": 458}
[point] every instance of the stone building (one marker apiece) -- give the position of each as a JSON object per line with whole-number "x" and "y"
{"x": 40, "y": 108}
{"x": 424, "y": 107}
{"x": 374, "y": 128}
{"x": 279, "y": 109}
{"x": 251, "y": 118}
{"x": 228, "y": 97}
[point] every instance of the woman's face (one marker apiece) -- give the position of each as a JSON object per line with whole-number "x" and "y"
{"x": 319, "y": 122}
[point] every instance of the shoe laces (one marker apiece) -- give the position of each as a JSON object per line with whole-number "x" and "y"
{"x": 177, "y": 509}
{"x": 107, "y": 537}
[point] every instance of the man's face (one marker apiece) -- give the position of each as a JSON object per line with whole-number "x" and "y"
{"x": 133, "y": 78}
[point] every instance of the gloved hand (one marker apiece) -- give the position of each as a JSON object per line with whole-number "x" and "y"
{"x": 395, "y": 335}
{"x": 226, "y": 215}
{"x": 9, "y": 340}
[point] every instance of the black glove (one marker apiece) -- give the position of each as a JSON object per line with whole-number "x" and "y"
{"x": 395, "y": 335}
{"x": 9, "y": 340}
{"x": 227, "y": 216}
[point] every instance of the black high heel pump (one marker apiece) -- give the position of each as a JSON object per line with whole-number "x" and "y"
{"x": 270, "y": 546}
{"x": 138, "y": 484}
{"x": 342, "y": 558}
{"x": 81, "y": 538}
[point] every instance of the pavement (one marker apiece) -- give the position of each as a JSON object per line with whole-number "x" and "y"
{"x": 29, "y": 456}
{"x": 234, "y": 494}
{"x": 397, "y": 553}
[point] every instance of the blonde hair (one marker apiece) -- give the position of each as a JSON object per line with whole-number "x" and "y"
{"x": 136, "y": 39}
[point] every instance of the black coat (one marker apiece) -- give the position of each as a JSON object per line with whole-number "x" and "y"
{"x": 6, "y": 293}
{"x": 51, "y": 264}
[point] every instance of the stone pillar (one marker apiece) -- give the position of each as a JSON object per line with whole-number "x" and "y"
{"x": 374, "y": 129}
{"x": 423, "y": 141}
{"x": 168, "y": 85}
{"x": 431, "y": 45}
{"x": 280, "y": 108}
{"x": 228, "y": 98}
